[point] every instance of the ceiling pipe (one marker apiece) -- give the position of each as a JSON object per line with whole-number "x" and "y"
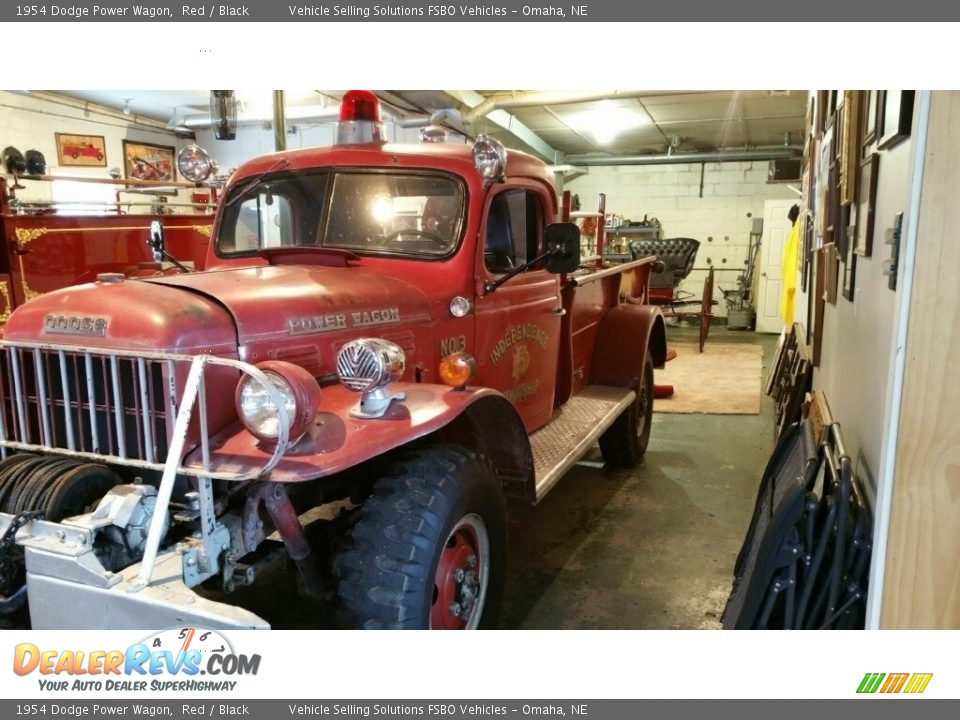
{"x": 775, "y": 152}
{"x": 445, "y": 117}
{"x": 279, "y": 121}
{"x": 505, "y": 102}
{"x": 303, "y": 114}
{"x": 292, "y": 114}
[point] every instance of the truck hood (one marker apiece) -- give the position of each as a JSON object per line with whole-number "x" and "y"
{"x": 126, "y": 315}
{"x": 273, "y": 303}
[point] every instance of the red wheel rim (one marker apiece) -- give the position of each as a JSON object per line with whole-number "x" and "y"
{"x": 460, "y": 584}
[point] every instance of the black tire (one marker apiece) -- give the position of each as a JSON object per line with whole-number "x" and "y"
{"x": 427, "y": 515}
{"x": 625, "y": 442}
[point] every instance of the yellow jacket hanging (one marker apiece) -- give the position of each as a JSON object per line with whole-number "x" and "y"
{"x": 789, "y": 275}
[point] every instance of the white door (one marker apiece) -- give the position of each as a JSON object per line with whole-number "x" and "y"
{"x": 776, "y": 230}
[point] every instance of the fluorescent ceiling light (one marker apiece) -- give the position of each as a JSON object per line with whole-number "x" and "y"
{"x": 607, "y": 121}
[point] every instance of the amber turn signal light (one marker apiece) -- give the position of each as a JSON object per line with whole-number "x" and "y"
{"x": 457, "y": 369}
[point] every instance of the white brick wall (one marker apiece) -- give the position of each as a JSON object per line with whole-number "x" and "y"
{"x": 733, "y": 194}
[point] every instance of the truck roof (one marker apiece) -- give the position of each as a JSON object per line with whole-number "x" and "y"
{"x": 441, "y": 156}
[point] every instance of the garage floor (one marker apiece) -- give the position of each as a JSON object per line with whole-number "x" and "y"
{"x": 652, "y": 547}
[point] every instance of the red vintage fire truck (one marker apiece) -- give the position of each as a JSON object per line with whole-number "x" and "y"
{"x": 401, "y": 333}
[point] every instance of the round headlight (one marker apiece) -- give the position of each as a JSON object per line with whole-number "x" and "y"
{"x": 460, "y": 306}
{"x": 194, "y": 163}
{"x": 258, "y": 410}
{"x": 299, "y": 394}
{"x": 489, "y": 157}
{"x": 370, "y": 363}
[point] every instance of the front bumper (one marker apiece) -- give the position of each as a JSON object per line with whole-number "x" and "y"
{"x": 68, "y": 587}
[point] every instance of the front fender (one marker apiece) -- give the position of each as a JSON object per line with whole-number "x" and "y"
{"x": 337, "y": 441}
{"x": 626, "y": 334}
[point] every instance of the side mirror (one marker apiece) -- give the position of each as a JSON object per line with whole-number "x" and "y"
{"x": 562, "y": 242}
{"x": 155, "y": 241}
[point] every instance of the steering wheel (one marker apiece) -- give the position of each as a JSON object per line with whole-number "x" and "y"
{"x": 419, "y": 233}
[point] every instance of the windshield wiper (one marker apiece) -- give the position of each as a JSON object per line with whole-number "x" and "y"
{"x": 257, "y": 179}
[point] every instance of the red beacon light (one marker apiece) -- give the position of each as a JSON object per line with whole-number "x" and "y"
{"x": 360, "y": 120}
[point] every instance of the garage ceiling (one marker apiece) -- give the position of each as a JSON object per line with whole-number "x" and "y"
{"x": 698, "y": 120}
{"x": 552, "y": 124}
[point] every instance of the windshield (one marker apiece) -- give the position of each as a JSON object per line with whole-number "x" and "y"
{"x": 419, "y": 214}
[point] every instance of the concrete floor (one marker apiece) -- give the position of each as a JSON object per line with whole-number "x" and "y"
{"x": 652, "y": 547}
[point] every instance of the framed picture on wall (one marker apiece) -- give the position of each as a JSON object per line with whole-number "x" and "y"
{"x": 806, "y": 255}
{"x": 822, "y": 204}
{"x": 820, "y": 118}
{"x": 81, "y": 150}
{"x": 844, "y": 234}
{"x": 835, "y": 211}
{"x": 866, "y": 205}
{"x": 819, "y": 302}
{"x": 897, "y": 117}
{"x": 849, "y": 276}
{"x": 870, "y": 116}
{"x": 810, "y": 175}
{"x": 850, "y": 145}
{"x": 145, "y": 161}
{"x": 831, "y": 263}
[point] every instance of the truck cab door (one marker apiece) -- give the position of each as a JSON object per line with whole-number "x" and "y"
{"x": 518, "y": 325}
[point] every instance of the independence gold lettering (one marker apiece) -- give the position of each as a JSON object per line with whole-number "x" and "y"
{"x": 515, "y": 334}
{"x": 522, "y": 391}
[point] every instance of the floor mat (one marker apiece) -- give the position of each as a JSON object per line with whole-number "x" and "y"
{"x": 722, "y": 380}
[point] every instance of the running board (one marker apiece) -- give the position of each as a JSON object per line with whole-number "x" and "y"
{"x": 575, "y": 427}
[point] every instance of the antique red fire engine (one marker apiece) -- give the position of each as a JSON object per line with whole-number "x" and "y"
{"x": 402, "y": 335}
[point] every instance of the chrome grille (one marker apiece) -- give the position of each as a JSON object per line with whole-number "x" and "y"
{"x": 90, "y": 403}
{"x": 135, "y": 408}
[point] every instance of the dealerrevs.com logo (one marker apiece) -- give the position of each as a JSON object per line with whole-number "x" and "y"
{"x": 891, "y": 683}
{"x": 172, "y": 660}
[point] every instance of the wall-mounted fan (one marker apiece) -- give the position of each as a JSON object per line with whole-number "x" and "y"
{"x": 223, "y": 114}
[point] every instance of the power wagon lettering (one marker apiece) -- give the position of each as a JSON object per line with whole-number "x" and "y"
{"x": 317, "y": 324}
{"x": 340, "y": 321}
{"x": 375, "y": 317}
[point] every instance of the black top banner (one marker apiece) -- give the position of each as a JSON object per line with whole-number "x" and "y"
{"x": 502, "y": 11}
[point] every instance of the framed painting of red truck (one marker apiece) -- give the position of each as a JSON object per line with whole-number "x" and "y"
{"x": 81, "y": 150}
{"x": 145, "y": 161}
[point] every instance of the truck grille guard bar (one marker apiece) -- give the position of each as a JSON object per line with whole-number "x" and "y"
{"x": 28, "y": 384}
